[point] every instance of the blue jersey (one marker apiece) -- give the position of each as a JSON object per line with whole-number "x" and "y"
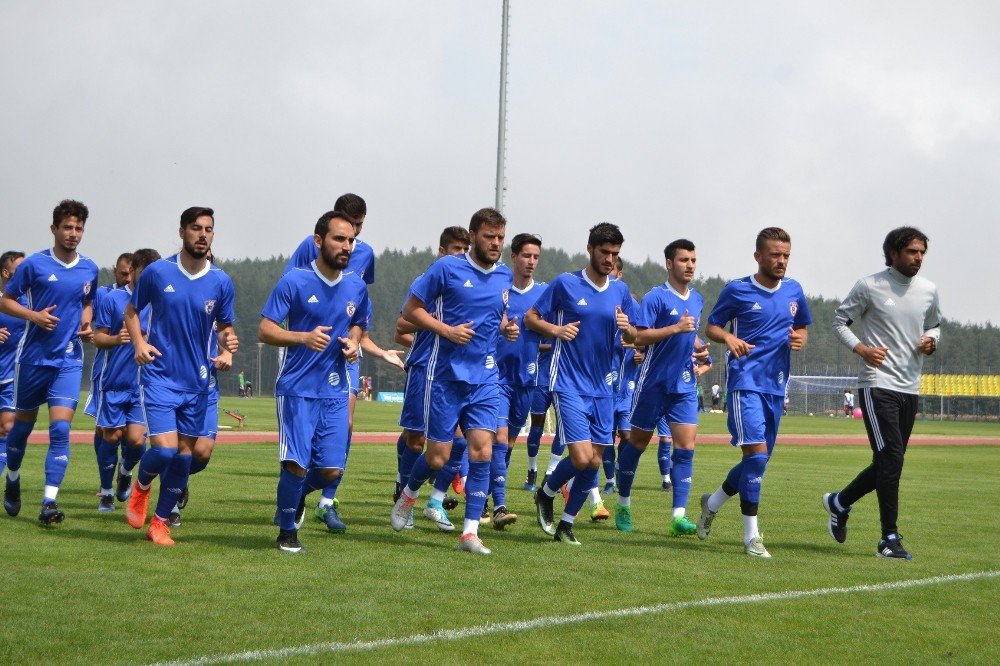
{"x": 518, "y": 360}
{"x": 307, "y": 300}
{"x": 668, "y": 366}
{"x": 117, "y": 371}
{"x": 362, "y": 261}
{"x": 423, "y": 340}
{"x": 627, "y": 371}
{"x": 100, "y": 358}
{"x": 8, "y": 349}
{"x": 182, "y": 311}
{"x": 621, "y": 352}
{"x": 45, "y": 281}
{"x": 587, "y": 364}
{"x": 456, "y": 290}
{"x": 760, "y": 317}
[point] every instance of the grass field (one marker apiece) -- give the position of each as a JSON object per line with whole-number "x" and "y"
{"x": 94, "y": 591}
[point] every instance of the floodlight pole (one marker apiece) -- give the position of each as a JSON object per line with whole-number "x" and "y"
{"x": 502, "y": 131}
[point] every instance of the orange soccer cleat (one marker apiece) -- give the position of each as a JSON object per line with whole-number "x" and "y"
{"x": 138, "y": 504}
{"x": 159, "y": 532}
{"x": 458, "y": 486}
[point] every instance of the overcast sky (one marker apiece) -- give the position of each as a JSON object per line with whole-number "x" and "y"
{"x": 707, "y": 120}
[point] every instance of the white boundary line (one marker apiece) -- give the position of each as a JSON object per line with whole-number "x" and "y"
{"x": 555, "y": 621}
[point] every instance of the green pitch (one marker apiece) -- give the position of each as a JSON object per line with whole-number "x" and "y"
{"x": 92, "y": 590}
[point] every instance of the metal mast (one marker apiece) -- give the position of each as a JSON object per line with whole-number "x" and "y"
{"x": 502, "y": 131}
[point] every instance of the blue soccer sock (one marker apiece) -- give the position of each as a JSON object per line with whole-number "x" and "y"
{"x": 663, "y": 456}
{"x": 57, "y": 458}
{"x": 3, "y": 452}
{"x": 463, "y": 470}
{"x": 290, "y": 487}
{"x": 131, "y": 455}
{"x": 628, "y": 463}
{"x": 330, "y": 491}
{"x": 534, "y": 443}
{"x": 583, "y": 483}
{"x": 731, "y": 485}
{"x": 558, "y": 446}
{"x": 17, "y": 440}
{"x": 406, "y": 464}
{"x": 510, "y": 449}
{"x": 107, "y": 460}
{"x": 476, "y": 489}
{"x": 314, "y": 480}
{"x": 498, "y": 474}
{"x": 97, "y": 444}
{"x": 459, "y": 453}
{"x": 172, "y": 483}
{"x": 197, "y": 464}
{"x": 680, "y": 475}
{"x": 153, "y": 462}
{"x": 751, "y": 481}
{"x": 418, "y": 475}
{"x": 400, "y": 447}
{"x": 608, "y": 461}
{"x": 563, "y": 472}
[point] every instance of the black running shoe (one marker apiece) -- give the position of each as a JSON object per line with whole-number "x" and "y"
{"x": 396, "y": 492}
{"x": 288, "y": 542}
{"x": 107, "y": 503}
{"x": 487, "y": 516}
{"x": 449, "y": 503}
{"x": 123, "y": 486}
{"x": 174, "y": 519}
{"x": 182, "y": 501}
{"x": 892, "y": 546}
{"x": 530, "y": 482}
{"x": 50, "y": 514}
{"x": 502, "y": 517}
{"x": 543, "y": 509}
{"x": 667, "y": 485}
{"x": 564, "y": 534}
{"x": 12, "y": 497}
{"x": 838, "y": 519}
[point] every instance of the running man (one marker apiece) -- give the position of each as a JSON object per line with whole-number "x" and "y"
{"x": 588, "y": 309}
{"x": 187, "y": 296}
{"x": 322, "y": 305}
{"x": 11, "y": 330}
{"x": 59, "y": 285}
{"x": 900, "y": 323}
{"x": 768, "y": 315}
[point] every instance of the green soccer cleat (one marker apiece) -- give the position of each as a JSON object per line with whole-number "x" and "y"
{"x": 682, "y": 526}
{"x": 623, "y": 517}
{"x": 564, "y": 534}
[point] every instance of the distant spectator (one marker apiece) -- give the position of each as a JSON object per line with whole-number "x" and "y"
{"x": 243, "y": 384}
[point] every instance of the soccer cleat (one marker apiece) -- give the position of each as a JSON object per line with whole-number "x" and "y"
{"x": 543, "y": 509}
{"x": 333, "y": 521}
{"x": 599, "y": 512}
{"x": 409, "y": 520}
{"x": 319, "y": 513}
{"x": 486, "y": 517}
{"x": 182, "y": 501}
{"x": 458, "y": 486}
{"x": 564, "y": 534}
{"x": 755, "y": 548}
{"x": 123, "y": 486}
{"x": 159, "y": 532}
{"x": 471, "y": 543}
{"x": 502, "y": 518}
{"x": 837, "y": 525}
{"x": 300, "y": 513}
{"x": 437, "y": 513}
{"x": 50, "y": 514}
{"x": 449, "y": 503}
{"x": 529, "y": 483}
{"x": 704, "y": 526}
{"x": 401, "y": 512}
{"x": 397, "y": 492}
{"x": 107, "y": 503}
{"x": 623, "y": 517}
{"x": 681, "y": 526}
{"x": 138, "y": 505}
{"x": 565, "y": 492}
{"x": 667, "y": 485}
{"x": 609, "y": 488}
{"x": 12, "y": 497}
{"x": 174, "y": 520}
{"x": 288, "y": 542}
{"x": 892, "y": 546}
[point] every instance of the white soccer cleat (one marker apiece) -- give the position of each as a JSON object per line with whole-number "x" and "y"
{"x": 473, "y": 544}
{"x": 755, "y": 548}
{"x": 705, "y": 519}
{"x": 400, "y": 513}
{"x": 434, "y": 511}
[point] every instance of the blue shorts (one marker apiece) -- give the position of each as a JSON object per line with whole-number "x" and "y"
{"x": 650, "y": 407}
{"x": 7, "y": 396}
{"x": 354, "y": 376}
{"x": 211, "y": 427}
{"x": 754, "y": 418}
{"x": 116, "y": 409}
{"x": 623, "y": 407}
{"x": 663, "y": 428}
{"x": 450, "y": 404}
{"x": 169, "y": 410}
{"x": 414, "y": 414}
{"x": 584, "y": 418}
{"x": 93, "y": 399}
{"x": 37, "y": 384}
{"x": 513, "y": 405}
{"x": 313, "y": 432}
{"x": 541, "y": 399}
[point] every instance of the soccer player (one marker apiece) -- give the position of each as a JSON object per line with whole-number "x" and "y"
{"x": 900, "y": 323}
{"x": 118, "y": 410}
{"x": 322, "y": 303}
{"x": 11, "y": 330}
{"x": 186, "y": 297}
{"x": 59, "y": 285}
{"x": 666, "y": 388}
{"x": 518, "y": 369}
{"x": 468, "y": 295}
{"x": 588, "y": 309}
{"x": 768, "y": 314}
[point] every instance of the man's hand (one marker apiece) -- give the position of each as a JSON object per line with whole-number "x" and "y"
{"x": 511, "y": 331}
{"x": 700, "y": 353}
{"x": 394, "y": 357}
{"x": 685, "y": 324}
{"x": 228, "y": 340}
{"x": 145, "y": 353}
{"x": 224, "y": 360}
{"x": 622, "y": 319}
{"x": 86, "y": 333}
{"x": 317, "y": 339}
{"x": 350, "y": 349}
{"x": 873, "y": 356}
{"x": 927, "y": 345}
{"x": 4, "y": 335}
{"x": 737, "y": 347}
{"x": 123, "y": 337}
{"x": 45, "y": 319}
{"x": 796, "y": 340}
{"x": 568, "y": 332}
{"x": 461, "y": 334}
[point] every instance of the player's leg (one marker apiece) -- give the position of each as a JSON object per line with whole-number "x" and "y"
{"x": 539, "y": 406}
{"x": 572, "y": 425}
{"x": 600, "y": 414}
{"x": 646, "y": 410}
{"x": 109, "y": 416}
{"x": 498, "y": 457}
{"x": 160, "y": 409}
{"x": 6, "y": 419}
{"x": 329, "y": 495}
{"x": 663, "y": 449}
{"x": 62, "y": 396}
{"x": 132, "y": 447}
{"x": 435, "y": 510}
{"x": 30, "y": 388}
{"x": 838, "y": 504}
{"x": 478, "y": 419}
{"x": 682, "y": 416}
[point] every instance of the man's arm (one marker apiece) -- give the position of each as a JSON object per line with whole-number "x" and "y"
{"x": 42, "y": 318}
{"x": 853, "y": 307}
{"x": 648, "y": 336}
{"x": 390, "y": 356}
{"x": 415, "y": 312}
{"x": 144, "y": 352}
{"x": 534, "y": 321}
{"x": 738, "y": 348}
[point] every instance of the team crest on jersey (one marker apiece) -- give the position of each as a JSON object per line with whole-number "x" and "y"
{"x": 209, "y": 306}
{"x": 793, "y": 307}
{"x": 86, "y": 288}
{"x": 333, "y": 379}
{"x": 351, "y": 308}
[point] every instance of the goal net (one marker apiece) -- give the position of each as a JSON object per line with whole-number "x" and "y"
{"x": 819, "y": 394}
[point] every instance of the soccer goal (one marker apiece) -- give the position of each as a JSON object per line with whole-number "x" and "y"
{"x": 819, "y": 394}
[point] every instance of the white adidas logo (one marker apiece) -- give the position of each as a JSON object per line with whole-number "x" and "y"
{"x": 169, "y": 289}
{"x": 53, "y": 278}
{"x": 313, "y": 299}
{"x": 582, "y": 301}
{"x": 674, "y": 311}
{"x": 889, "y": 301}
{"x": 468, "y": 283}
{"x": 756, "y": 306}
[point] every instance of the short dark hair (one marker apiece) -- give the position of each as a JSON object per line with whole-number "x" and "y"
{"x": 143, "y": 257}
{"x": 605, "y": 232}
{"x": 323, "y": 223}
{"x": 69, "y": 208}
{"x": 452, "y": 235}
{"x": 189, "y": 216}
{"x": 127, "y": 256}
{"x": 487, "y": 216}
{"x": 670, "y": 251}
{"x": 353, "y": 205}
{"x": 619, "y": 264}
{"x": 521, "y": 240}
{"x": 8, "y": 257}
{"x": 899, "y": 238}
{"x": 772, "y": 233}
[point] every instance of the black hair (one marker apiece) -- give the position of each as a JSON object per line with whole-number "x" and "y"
{"x": 143, "y": 257}
{"x": 8, "y": 257}
{"x": 453, "y": 234}
{"x": 605, "y": 232}
{"x": 487, "y": 216}
{"x": 899, "y": 238}
{"x": 323, "y": 223}
{"x": 189, "y": 216}
{"x": 127, "y": 256}
{"x": 353, "y": 205}
{"x": 521, "y": 240}
{"x": 772, "y": 233}
{"x": 670, "y": 251}
{"x": 69, "y": 208}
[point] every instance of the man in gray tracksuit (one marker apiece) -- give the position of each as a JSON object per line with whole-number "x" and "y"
{"x": 900, "y": 323}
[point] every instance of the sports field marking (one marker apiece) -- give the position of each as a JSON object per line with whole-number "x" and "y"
{"x": 555, "y": 621}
